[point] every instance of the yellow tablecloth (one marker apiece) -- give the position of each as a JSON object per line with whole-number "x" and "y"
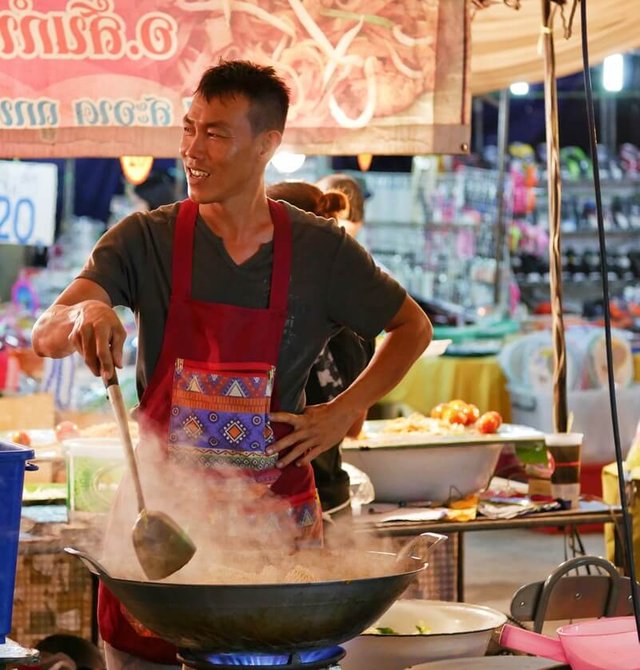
{"x": 478, "y": 380}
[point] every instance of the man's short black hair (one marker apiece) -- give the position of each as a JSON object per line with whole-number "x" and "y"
{"x": 267, "y": 93}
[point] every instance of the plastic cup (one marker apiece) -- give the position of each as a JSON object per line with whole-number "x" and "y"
{"x": 564, "y": 455}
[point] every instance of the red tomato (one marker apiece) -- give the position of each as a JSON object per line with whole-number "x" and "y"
{"x": 489, "y": 422}
{"x": 20, "y": 437}
{"x": 455, "y": 415}
{"x": 473, "y": 414}
{"x": 65, "y": 430}
{"x": 436, "y": 412}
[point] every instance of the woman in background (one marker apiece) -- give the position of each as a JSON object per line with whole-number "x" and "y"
{"x": 343, "y": 358}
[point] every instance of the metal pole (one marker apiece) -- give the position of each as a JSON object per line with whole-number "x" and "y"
{"x": 501, "y": 233}
{"x": 478, "y": 123}
{"x": 68, "y": 192}
{"x": 560, "y": 411}
{"x": 613, "y": 125}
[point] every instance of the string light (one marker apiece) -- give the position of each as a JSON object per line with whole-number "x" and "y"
{"x": 613, "y": 73}
{"x": 519, "y": 88}
{"x": 287, "y": 162}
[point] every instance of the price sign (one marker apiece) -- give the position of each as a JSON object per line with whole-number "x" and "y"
{"x": 28, "y": 193}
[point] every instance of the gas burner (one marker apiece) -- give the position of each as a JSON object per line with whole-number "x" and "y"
{"x": 315, "y": 659}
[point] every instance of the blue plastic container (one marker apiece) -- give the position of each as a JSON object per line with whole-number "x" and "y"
{"x": 13, "y": 462}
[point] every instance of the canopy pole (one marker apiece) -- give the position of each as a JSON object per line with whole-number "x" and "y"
{"x": 560, "y": 413}
{"x": 501, "y": 233}
{"x": 68, "y": 193}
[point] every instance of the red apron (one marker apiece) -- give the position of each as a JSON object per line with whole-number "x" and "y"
{"x": 218, "y": 336}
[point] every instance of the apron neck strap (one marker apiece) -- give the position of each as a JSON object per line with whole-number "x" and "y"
{"x": 182, "y": 260}
{"x": 182, "y": 263}
{"x": 282, "y": 245}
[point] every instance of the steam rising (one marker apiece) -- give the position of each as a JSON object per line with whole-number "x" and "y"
{"x": 244, "y": 534}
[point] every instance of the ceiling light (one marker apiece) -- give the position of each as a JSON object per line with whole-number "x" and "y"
{"x": 519, "y": 88}
{"x": 287, "y": 162}
{"x": 613, "y": 73}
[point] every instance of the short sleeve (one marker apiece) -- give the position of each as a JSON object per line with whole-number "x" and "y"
{"x": 115, "y": 259}
{"x": 360, "y": 294}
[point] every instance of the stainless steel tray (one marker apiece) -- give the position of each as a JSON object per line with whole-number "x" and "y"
{"x": 375, "y": 437}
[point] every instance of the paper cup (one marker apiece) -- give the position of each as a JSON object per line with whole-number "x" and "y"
{"x": 564, "y": 456}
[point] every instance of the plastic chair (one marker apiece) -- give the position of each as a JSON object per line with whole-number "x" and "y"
{"x": 583, "y": 596}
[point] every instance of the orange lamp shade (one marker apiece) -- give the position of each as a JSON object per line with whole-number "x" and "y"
{"x": 364, "y": 161}
{"x": 136, "y": 169}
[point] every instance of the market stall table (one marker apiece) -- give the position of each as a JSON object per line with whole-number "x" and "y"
{"x": 591, "y": 511}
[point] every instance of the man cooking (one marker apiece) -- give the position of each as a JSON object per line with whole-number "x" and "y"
{"x": 231, "y": 285}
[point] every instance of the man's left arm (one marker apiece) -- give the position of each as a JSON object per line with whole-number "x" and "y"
{"x": 322, "y": 426}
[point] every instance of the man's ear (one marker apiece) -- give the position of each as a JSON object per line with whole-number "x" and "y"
{"x": 270, "y": 141}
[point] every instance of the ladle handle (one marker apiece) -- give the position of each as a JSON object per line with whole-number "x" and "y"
{"x": 122, "y": 419}
{"x": 420, "y": 547}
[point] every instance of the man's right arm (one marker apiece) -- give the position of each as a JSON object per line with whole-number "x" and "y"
{"x": 81, "y": 319}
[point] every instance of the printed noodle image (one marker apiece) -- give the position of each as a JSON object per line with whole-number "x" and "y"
{"x": 347, "y": 63}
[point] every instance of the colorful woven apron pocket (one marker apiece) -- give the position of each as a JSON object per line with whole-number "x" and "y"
{"x": 220, "y": 417}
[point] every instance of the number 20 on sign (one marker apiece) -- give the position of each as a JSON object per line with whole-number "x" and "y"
{"x": 28, "y": 193}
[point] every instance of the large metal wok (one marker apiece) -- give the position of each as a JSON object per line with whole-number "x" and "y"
{"x": 269, "y": 617}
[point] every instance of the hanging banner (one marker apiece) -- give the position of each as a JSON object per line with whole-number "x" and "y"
{"x": 115, "y": 77}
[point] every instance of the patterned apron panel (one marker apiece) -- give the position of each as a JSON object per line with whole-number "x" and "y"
{"x": 220, "y": 417}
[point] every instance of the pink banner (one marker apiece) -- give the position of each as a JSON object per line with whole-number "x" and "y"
{"x": 114, "y": 77}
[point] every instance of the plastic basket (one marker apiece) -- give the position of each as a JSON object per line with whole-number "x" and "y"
{"x": 13, "y": 462}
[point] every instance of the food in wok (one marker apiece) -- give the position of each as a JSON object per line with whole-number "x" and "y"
{"x": 270, "y": 617}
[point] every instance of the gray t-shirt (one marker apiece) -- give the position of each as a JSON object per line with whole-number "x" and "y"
{"x": 334, "y": 283}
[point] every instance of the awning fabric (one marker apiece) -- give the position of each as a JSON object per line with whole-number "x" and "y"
{"x": 504, "y": 41}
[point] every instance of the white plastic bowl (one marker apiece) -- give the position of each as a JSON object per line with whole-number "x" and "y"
{"x": 437, "y": 473}
{"x": 419, "y": 466}
{"x": 457, "y": 630}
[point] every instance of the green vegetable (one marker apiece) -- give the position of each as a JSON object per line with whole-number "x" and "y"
{"x": 422, "y": 628}
{"x": 385, "y": 630}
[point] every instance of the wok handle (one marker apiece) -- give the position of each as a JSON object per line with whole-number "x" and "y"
{"x": 91, "y": 563}
{"x": 420, "y": 547}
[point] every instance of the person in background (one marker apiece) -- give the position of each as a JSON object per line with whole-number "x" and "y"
{"x": 353, "y": 220}
{"x": 222, "y": 278}
{"x": 355, "y": 189}
{"x": 341, "y": 360}
{"x": 309, "y": 198}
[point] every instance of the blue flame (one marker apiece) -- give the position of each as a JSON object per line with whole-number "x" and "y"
{"x": 245, "y": 659}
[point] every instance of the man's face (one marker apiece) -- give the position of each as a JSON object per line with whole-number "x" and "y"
{"x": 222, "y": 159}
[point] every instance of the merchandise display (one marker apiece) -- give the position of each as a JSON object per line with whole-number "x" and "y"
{"x": 528, "y": 236}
